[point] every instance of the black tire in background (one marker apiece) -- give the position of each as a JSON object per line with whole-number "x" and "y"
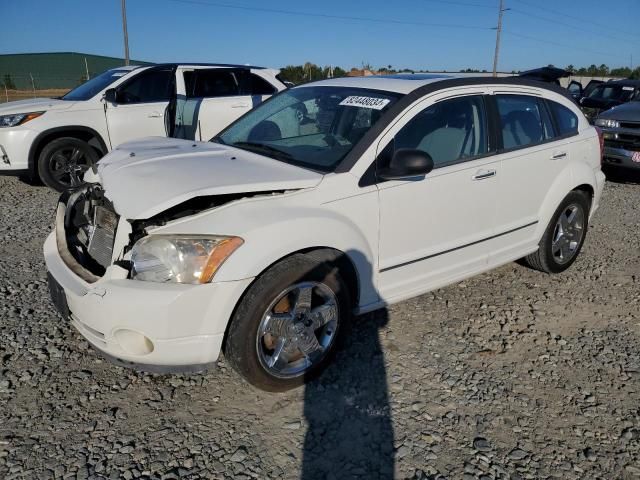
{"x": 548, "y": 257}
{"x": 243, "y": 338}
{"x": 63, "y": 161}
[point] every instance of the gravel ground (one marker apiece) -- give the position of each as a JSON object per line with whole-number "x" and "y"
{"x": 512, "y": 374}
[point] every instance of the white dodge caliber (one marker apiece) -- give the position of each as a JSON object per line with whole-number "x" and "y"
{"x": 330, "y": 199}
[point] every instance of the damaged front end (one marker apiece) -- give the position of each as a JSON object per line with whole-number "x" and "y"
{"x": 91, "y": 236}
{"x": 86, "y": 226}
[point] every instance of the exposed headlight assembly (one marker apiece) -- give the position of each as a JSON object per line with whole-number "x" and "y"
{"x": 15, "y": 119}
{"x": 181, "y": 258}
{"x": 607, "y": 123}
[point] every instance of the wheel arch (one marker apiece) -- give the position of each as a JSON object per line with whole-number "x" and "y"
{"x": 80, "y": 132}
{"x": 345, "y": 265}
{"x": 577, "y": 177}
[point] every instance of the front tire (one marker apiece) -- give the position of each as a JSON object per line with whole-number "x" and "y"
{"x": 564, "y": 236}
{"x": 63, "y": 161}
{"x": 287, "y": 325}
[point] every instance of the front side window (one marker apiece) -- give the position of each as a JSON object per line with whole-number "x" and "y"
{"x": 147, "y": 87}
{"x": 524, "y": 121}
{"x": 92, "y": 87}
{"x": 566, "y": 120}
{"x": 449, "y": 131}
{"x": 313, "y": 127}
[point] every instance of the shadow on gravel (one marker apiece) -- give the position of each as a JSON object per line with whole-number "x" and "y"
{"x": 621, "y": 175}
{"x": 350, "y": 430}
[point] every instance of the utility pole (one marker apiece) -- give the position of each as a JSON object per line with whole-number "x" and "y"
{"x": 498, "y": 32}
{"x": 124, "y": 30}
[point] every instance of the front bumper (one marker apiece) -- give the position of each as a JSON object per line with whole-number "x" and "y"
{"x": 153, "y": 326}
{"x": 620, "y": 157}
{"x": 15, "y": 143}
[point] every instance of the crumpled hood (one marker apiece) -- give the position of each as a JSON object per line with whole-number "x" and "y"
{"x": 34, "y": 105}
{"x": 628, "y": 112}
{"x": 148, "y": 176}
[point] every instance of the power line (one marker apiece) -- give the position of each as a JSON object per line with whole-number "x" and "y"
{"x": 558, "y": 22}
{"x": 557, "y": 44}
{"x": 583, "y": 20}
{"x": 463, "y": 4}
{"x": 329, "y": 16}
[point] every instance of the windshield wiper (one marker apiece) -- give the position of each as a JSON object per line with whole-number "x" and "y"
{"x": 262, "y": 148}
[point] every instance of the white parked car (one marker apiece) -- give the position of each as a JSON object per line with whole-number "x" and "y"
{"x": 57, "y": 140}
{"x": 332, "y": 198}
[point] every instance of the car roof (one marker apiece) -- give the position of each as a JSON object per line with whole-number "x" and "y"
{"x": 199, "y": 64}
{"x": 408, "y": 83}
{"x": 623, "y": 82}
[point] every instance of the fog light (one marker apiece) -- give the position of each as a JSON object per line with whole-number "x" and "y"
{"x": 133, "y": 342}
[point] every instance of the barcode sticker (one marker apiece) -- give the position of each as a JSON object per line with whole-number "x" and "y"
{"x": 365, "y": 102}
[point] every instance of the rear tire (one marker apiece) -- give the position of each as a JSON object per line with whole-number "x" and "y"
{"x": 564, "y": 236}
{"x": 274, "y": 299}
{"x": 63, "y": 161}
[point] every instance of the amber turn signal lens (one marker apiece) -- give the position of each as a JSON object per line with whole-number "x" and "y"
{"x": 220, "y": 253}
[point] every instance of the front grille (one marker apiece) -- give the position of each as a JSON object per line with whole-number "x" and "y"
{"x": 630, "y": 125}
{"x": 90, "y": 228}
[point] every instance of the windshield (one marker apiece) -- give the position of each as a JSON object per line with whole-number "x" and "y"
{"x": 90, "y": 88}
{"x": 313, "y": 127}
{"x": 618, "y": 93}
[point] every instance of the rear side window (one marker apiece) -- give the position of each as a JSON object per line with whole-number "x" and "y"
{"x": 210, "y": 83}
{"x": 566, "y": 120}
{"x": 147, "y": 87}
{"x": 524, "y": 120}
{"x": 259, "y": 86}
{"x": 449, "y": 131}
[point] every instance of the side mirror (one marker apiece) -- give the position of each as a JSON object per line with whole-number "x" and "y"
{"x": 407, "y": 163}
{"x": 110, "y": 95}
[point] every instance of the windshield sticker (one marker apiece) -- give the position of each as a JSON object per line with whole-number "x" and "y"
{"x": 119, "y": 74}
{"x": 365, "y": 102}
{"x": 627, "y": 88}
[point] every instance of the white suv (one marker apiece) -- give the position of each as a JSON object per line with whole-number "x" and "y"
{"x": 58, "y": 139}
{"x": 331, "y": 198}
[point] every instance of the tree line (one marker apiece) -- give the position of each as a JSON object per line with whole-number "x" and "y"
{"x": 310, "y": 71}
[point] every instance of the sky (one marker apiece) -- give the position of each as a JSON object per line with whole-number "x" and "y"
{"x": 417, "y": 34}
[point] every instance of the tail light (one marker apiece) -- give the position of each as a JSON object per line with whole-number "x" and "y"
{"x": 601, "y": 140}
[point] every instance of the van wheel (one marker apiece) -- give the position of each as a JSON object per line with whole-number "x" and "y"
{"x": 63, "y": 161}
{"x": 564, "y": 236}
{"x": 286, "y": 327}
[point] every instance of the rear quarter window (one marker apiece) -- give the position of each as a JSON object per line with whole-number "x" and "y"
{"x": 566, "y": 120}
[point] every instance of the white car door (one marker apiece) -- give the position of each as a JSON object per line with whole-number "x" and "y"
{"x": 209, "y": 99}
{"x": 433, "y": 230}
{"x": 141, "y": 105}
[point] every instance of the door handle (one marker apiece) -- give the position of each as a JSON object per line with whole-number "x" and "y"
{"x": 240, "y": 105}
{"x": 558, "y": 156}
{"x": 154, "y": 115}
{"x": 484, "y": 174}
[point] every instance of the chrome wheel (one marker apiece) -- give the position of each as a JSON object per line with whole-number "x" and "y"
{"x": 568, "y": 233}
{"x": 297, "y": 329}
{"x": 67, "y": 165}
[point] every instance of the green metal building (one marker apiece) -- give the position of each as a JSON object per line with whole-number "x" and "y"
{"x": 39, "y": 71}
